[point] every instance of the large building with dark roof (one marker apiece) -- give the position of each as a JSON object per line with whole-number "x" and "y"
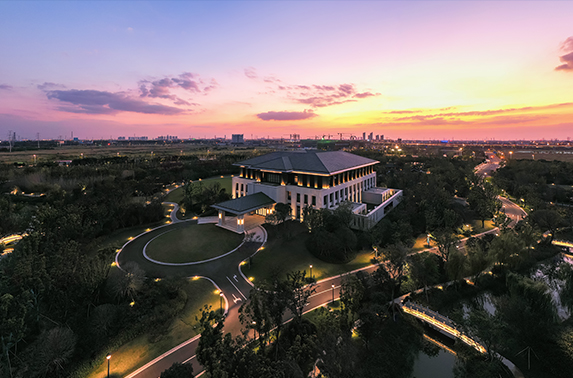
{"x": 310, "y": 178}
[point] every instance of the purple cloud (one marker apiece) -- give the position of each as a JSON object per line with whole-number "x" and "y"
{"x": 319, "y": 96}
{"x": 5, "y": 86}
{"x": 403, "y": 111}
{"x": 251, "y": 73}
{"x": 567, "y": 58}
{"x": 212, "y": 85}
{"x": 567, "y": 61}
{"x": 162, "y": 88}
{"x": 49, "y": 86}
{"x": 286, "y": 116}
{"x": 364, "y": 95}
{"x": 101, "y": 102}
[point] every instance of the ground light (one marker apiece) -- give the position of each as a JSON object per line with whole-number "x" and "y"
{"x": 108, "y": 358}
{"x": 311, "y": 272}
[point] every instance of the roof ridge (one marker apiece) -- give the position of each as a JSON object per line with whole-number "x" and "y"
{"x": 319, "y": 159}
{"x": 287, "y": 163}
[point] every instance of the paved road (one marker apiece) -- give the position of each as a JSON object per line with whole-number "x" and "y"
{"x": 491, "y": 164}
{"x": 223, "y": 272}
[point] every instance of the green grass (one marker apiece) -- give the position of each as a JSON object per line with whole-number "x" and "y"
{"x": 139, "y": 351}
{"x": 281, "y": 256}
{"x": 196, "y": 242}
{"x": 420, "y": 243}
{"x": 176, "y": 195}
{"x": 477, "y": 228}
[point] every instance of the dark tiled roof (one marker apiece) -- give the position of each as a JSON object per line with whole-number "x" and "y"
{"x": 245, "y": 204}
{"x": 307, "y": 161}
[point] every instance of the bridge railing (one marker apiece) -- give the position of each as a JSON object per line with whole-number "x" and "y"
{"x": 440, "y": 322}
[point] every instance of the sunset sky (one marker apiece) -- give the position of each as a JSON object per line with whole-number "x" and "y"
{"x": 408, "y": 69}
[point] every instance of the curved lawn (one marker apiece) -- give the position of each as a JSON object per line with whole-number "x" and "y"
{"x": 196, "y": 242}
{"x": 282, "y": 255}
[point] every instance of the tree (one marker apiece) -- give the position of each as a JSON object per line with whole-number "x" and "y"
{"x": 506, "y": 249}
{"x": 424, "y": 270}
{"x": 488, "y": 329}
{"x": 51, "y": 352}
{"x": 297, "y": 293}
{"x": 566, "y": 272}
{"x": 395, "y": 257}
{"x": 256, "y": 314}
{"x": 214, "y": 351}
{"x": 178, "y": 370}
{"x": 547, "y": 220}
{"x": 477, "y": 255}
{"x": 127, "y": 284}
{"x": 282, "y": 211}
{"x": 455, "y": 266}
{"x": 280, "y": 215}
{"x": 446, "y": 240}
{"x": 483, "y": 199}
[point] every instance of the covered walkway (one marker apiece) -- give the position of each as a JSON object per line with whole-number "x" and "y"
{"x": 258, "y": 205}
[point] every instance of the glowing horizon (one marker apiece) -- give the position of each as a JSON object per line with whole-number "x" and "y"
{"x": 409, "y": 69}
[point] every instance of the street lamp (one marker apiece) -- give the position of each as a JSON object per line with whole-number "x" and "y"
{"x": 108, "y": 358}
{"x": 221, "y": 302}
{"x": 311, "y": 271}
{"x": 333, "y": 294}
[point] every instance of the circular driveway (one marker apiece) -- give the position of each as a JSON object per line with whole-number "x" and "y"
{"x": 191, "y": 245}
{"x": 213, "y": 268}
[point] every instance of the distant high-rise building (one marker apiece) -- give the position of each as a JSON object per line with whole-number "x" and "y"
{"x": 371, "y": 137}
{"x": 237, "y": 138}
{"x": 381, "y": 137}
{"x": 363, "y": 136}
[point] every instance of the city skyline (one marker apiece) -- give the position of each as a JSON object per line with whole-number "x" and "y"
{"x": 411, "y": 70}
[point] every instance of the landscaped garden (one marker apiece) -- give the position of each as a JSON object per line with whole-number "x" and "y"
{"x": 176, "y": 195}
{"x": 140, "y": 350}
{"x": 195, "y": 242}
{"x": 287, "y": 252}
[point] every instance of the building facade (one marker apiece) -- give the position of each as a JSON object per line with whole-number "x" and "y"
{"x": 319, "y": 180}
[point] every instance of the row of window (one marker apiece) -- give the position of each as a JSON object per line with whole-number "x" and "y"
{"x": 307, "y": 180}
{"x": 305, "y": 197}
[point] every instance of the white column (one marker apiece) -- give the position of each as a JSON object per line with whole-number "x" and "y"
{"x": 241, "y": 223}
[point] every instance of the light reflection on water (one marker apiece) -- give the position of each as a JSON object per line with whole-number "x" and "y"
{"x": 548, "y": 272}
{"x": 440, "y": 366}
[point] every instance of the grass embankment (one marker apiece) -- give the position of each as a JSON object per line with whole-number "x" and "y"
{"x": 282, "y": 255}
{"x": 196, "y": 242}
{"x": 140, "y": 351}
{"x": 176, "y": 195}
